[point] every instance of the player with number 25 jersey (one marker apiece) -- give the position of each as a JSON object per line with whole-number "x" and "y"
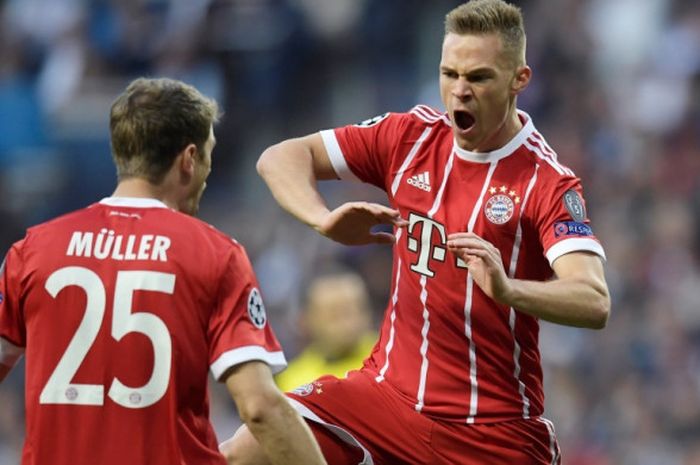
{"x": 122, "y": 308}
{"x": 124, "y": 317}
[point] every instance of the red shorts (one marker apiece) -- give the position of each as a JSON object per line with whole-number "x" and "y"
{"x": 389, "y": 431}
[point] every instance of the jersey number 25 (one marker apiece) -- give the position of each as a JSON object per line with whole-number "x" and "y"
{"x": 60, "y": 389}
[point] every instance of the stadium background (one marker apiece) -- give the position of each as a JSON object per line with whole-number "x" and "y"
{"x": 616, "y": 91}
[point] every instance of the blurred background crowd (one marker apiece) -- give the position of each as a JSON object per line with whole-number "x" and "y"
{"x": 616, "y": 91}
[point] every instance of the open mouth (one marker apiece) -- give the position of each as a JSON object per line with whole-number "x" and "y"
{"x": 463, "y": 119}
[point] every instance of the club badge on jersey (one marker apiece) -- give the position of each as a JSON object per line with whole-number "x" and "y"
{"x": 256, "y": 309}
{"x": 308, "y": 389}
{"x": 499, "y": 208}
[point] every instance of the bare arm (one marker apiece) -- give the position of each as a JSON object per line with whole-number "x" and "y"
{"x": 577, "y": 297}
{"x": 291, "y": 170}
{"x": 282, "y": 433}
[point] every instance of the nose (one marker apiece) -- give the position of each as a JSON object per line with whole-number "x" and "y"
{"x": 461, "y": 89}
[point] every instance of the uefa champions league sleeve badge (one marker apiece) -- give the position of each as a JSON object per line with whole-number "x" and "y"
{"x": 256, "y": 309}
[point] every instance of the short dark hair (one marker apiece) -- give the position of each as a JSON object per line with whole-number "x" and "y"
{"x": 489, "y": 16}
{"x": 152, "y": 121}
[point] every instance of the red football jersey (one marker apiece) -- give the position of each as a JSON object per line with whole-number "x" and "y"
{"x": 123, "y": 307}
{"x": 445, "y": 346}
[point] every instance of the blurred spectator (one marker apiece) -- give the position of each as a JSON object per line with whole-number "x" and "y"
{"x": 337, "y": 321}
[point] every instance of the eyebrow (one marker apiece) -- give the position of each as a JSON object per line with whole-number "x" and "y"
{"x": 480, "y": 70}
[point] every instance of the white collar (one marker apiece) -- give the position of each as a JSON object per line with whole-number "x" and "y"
{"x": 488, "y": 157}
{"x": 136, "y": 202}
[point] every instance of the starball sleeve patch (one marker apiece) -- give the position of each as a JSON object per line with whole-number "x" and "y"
{"x": 372, "y": 121}
{"x": 574, "y": 205}
{"x": 256, "y": 309}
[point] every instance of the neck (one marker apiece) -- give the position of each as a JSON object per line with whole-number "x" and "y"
{"x": 510, "y": 127}
{"x": 141, "y": 188}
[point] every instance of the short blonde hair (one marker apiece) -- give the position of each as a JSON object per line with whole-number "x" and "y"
{"x": 490, "y": 16}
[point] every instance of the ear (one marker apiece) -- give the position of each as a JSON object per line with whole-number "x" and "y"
{"x": 521, "y": 79}
{"x": 187, "y": 160}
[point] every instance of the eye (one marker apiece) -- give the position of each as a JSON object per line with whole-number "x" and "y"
{"x": 449, "y": 74}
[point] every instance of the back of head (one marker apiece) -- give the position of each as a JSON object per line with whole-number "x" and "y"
{"x": 487, "y": 17}
{"x": 152, "y": 121}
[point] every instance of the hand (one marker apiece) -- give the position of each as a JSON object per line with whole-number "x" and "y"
{"x": 484, "y": 263}
{"x": 351, "y": 223}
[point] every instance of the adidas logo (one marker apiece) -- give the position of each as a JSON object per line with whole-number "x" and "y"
{"x": 421, "y": 181}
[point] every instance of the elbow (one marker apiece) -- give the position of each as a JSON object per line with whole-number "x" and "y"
{"x": 257, "y": 411}
{"x": 600, "y": 312}
{"x": 265, "y": 161}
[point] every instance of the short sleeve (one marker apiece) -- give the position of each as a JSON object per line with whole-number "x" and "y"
{"x": 239, "y": 330}
{"x": 562, "y": 220}
{"x": 364, "y": 151}
{"x": 12, "y": 327}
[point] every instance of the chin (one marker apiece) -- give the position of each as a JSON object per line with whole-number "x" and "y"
{"x": 465, "y": 144}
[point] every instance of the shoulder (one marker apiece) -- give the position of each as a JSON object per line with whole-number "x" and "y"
{"x": 64, "y": 221}
{"x": 428, "y": 116}
{"x": 219, "y": 239}
{"x": 419, "y": 115}
{"x": 550, "y": 167}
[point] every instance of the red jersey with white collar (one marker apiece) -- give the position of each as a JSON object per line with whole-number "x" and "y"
{"x": 121, "y": 309}
{"x": 445, "y": 346}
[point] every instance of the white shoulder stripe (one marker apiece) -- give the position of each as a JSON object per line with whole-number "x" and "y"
{"x": 539, "y": 141}
{"x": 430, "y": 111}
{"x": 409, "y": 158}
{"x": 244, "y": 354}
{"x": 420, "y": 113}
{"x": 336, "y": 156}
{"x": 9, "y": 353}
{"x": 537, "y": 151}
{"x": 548, "y": 149}
{"x": 430, "y": 115}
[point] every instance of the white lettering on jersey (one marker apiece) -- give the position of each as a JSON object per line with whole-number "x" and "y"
{"x": 424, "y": 244}
{"x": 107, "y": 244}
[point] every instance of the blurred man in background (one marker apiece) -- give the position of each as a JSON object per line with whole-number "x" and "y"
{"x": 337, "y": 320}
{"x": 123, "y": 307}
{"x": 484, "y": 216}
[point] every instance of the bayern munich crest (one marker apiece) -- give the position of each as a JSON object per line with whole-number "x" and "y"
{"x": 308, "y": 389}
{"x": 500, "y": 206}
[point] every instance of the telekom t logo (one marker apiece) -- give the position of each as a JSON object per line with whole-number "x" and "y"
{"x": 420, "y": 240}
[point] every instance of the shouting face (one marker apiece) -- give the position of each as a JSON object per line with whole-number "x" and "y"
{"x": 479, "y": 81}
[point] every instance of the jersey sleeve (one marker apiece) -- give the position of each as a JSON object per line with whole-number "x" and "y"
{"x": 562, "y": 221}
{"x": 12, "y": 327}
{"x": 239, "y": 330}
{"x": 363, "y": 152}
